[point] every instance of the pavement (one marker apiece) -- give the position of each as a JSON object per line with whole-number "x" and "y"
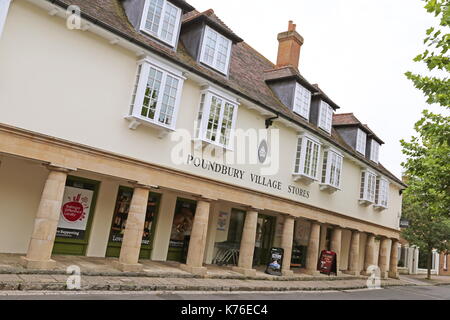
{"x": 98, "y": 274}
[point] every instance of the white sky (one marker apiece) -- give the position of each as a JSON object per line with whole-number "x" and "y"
{"x": 356, "y": 50}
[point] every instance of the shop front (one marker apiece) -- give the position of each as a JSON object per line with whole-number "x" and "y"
{"x": 265, "y": 232}
{"x": 120, "y": 216}
{"x": 76, "y": 214}
{"x": 300, "y": 243}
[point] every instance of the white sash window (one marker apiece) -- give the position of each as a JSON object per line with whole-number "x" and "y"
{"x": 216, "y": 50}
{"x": 156, "y": 94}
{"x": 161, "y": 19}
{"x": 325, "y": 116}
{"x": 302, "y": 101}
{"x": 368, "y": 187}
{"x": 382, "y": 193}
{"x": 307, "y": 158}
{"x": 216, "y": 119}
{"x": 374, "y": 151}
{"x": 332, "y": 169}
{"x": 361, "y": 139}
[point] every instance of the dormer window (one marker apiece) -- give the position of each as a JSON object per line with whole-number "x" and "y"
{"x": 216, "y": 50}
{"x": 361, "y": 139}
{"x": 302, "y": 101}
{"x": 161, "y": 19}
{"x": 325, "y": 116}
{"x": 374, "y": 151}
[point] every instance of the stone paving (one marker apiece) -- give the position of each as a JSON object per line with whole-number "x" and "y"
{"x": 98, "y": 274}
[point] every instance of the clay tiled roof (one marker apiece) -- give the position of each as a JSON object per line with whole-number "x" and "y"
{"x": 248, "y": 68}
{"x": 349, "y": 119}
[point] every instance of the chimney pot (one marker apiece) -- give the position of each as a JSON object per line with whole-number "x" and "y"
{"x": 290, "y": 43}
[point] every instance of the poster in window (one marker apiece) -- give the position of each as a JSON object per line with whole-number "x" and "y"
{"x": 121, "y": 214}
{"x": 182, "y": 223}
{"x": 222, "y": 221}
{"x": 74, "y": 214}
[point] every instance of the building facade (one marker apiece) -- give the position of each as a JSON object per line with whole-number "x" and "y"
{"x": 144, "y": 129}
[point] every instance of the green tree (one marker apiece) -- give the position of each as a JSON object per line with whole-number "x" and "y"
{"x": 427, "y": 168}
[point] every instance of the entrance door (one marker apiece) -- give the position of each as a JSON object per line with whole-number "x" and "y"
{"x": 120, "y": 216}
{"x": 181, "y": 230}
{"x": 265, "y": 232}
{"x": 77, "y": 211}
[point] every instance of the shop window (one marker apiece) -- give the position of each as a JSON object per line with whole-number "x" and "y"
{"x": 120, "y": 216}
{"x": 180, "y": 234}
{"x": 216, "y": 118}
{"x": 156, "y": 95}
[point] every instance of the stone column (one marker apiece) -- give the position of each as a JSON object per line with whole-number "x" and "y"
{"x": 335, "y": 246}
{"x": 46, "y": 221}
{"x": 383, "y": 257}
{"x": 353, "y": 258}
{"x": 247, "y": 248}
{"x": 197, "y": 242}
{"x": 286, "y": 243}
{"x": 312, "y": 256}
{"x": 369, "y": 258}
{"x": 134, "y": 228}
{"x": 393, "y": 271}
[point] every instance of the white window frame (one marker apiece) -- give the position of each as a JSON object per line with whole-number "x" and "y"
{"x": 4, "y": 8}
{"x": 214, "y": 63}
{"x": 332, "y": 156}
{"x": 301, "y": 161}
{"x": 204, "y": 112}
{"x": 369, "y": 190}
{"x": 375, "y": 151}
{"x": 135, "y": 114}
{"x": 325, "y": 116}
{"x": 161, "y": 23}
{"x": 302, "y": 93}
{"x": 382, "y": 193}
{"x": 361, "y": 140}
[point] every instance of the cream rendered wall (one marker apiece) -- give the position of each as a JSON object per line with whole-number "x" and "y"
{"x": 21, "y": 185}
{"x": 79, "y": 87}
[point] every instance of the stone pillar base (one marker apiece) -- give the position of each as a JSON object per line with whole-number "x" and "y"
{"x": 394, "y": 275}
{"x": 352, "y": 273}
{"x": 384, "y": 275}
{"x": 198, "y": 271}
{"x": 312, "y": 272}
{"x": 287, "y": 273}
{"x": 37, "y": 265}
{"x": 244, "y": 271}
{"x": 127, "y": 267}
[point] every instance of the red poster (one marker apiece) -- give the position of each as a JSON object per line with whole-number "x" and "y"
{"x": 327, "y": 262}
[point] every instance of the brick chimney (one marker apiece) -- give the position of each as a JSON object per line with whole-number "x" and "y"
{"x": 290, "y": 43}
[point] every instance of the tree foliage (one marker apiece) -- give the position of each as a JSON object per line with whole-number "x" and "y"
{"x": 427, "y": 168}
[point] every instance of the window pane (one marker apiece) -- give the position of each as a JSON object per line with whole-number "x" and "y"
{"x": 168, "y": 102}
{"x": 213, "y": 120}
{"x": 298, "y": 156}
{"x": 200, "y": 115}
{"x": 227, "y": 124}
{"x": 210, "y": 47}
{"x": 151, "y": 93}
{"x": 136, "y": 84}
{"x": 169, "y": 23}
{"x": 222, "y": 53}
{"x": 154, "y": 16}
{"x": 302, "y": 101}
{"x": 308, "y": 156}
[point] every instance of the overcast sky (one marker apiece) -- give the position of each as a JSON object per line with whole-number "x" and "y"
{"x": 356, "y": 50}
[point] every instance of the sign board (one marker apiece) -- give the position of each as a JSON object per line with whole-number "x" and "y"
{"x": 275, "y": 261}
{"x": 404, "y": 223}
{"x": 327, "y": 262}
{"x": 74, "y": 214}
